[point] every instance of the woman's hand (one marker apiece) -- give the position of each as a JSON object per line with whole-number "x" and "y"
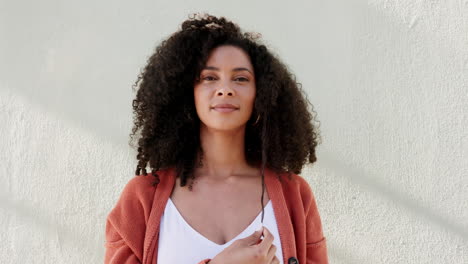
{"x": 249, "y": 250}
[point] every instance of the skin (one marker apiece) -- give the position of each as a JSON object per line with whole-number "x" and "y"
{"x": 225, "y": 174}
{"x": 220, "y": 82}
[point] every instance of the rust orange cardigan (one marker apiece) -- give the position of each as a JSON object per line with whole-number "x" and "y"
{"x": 132, "y": 226}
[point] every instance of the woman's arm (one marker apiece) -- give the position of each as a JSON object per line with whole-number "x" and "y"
{"x": 117, "y": 251}
{"x": 317, "y": 252}
{"x": 315, "y": 241}
{"x": 126, "y": 223}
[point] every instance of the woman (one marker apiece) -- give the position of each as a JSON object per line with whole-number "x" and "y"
{"x": 220, "y": 113}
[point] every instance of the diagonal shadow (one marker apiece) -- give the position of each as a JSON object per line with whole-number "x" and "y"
{"x": 360, "y": 177}
{"x": 345, "y": 256}
{"x": 26, "y": 212}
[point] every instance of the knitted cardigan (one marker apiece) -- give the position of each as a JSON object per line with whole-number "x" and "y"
{"x": 132, "y": 226}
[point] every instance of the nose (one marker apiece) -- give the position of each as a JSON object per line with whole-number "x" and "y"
{"x": 225, "y": 90}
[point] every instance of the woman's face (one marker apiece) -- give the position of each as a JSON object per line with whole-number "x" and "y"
{"x": 228, "y": 78}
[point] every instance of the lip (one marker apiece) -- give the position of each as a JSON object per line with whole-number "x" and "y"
{"x": 225, "y": 106}
{"x": 224, "y": 109}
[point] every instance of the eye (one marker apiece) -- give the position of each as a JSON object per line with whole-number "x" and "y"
{"x": 211, "y": 78}
{"x": 207, "y": 77}
{"x": 242, "y": 78}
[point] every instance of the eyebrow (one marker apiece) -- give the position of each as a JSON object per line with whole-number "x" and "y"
{"x": 235, "y": 69}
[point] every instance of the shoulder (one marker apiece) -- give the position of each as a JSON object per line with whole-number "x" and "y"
{"x": 139, "y": 184}
{"x": 127, "y": 221}
{"x": 144, "y": 184}
{"x": 301, "y": 197}
{"x": 300, "y": 187}
{"x": 136, "y": 197}
{"x": 304, "y": 186}
{"x": 296, "y": 181}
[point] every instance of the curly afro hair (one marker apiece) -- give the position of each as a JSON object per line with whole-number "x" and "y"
{"x": 280, "y": 133}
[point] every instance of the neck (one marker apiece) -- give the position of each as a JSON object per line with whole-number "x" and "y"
{"x": 223, "y": 154}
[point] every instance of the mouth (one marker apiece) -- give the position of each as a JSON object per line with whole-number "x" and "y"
{"x": 225, "y": 109}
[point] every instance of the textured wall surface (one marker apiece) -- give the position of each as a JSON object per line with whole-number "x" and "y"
{"x": 388, "y": 79}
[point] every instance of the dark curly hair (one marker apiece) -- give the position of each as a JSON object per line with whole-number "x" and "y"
{"x": 284, "y": 138}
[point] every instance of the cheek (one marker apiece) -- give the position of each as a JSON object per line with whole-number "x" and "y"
{"x": 197, "y": 95}
{"x": 201, "y": 101}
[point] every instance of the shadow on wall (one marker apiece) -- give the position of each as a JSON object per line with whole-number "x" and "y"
{"x": 360, "y": 177}
{"x": 68, "y": 79}
{"x": 34, "y": 220}
{"x": 421, "y": 68}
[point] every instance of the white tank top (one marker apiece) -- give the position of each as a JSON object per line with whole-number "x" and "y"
{"x": 180, "y": 243}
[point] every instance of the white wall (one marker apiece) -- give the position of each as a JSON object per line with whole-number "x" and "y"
{"x": 388, "y": 79}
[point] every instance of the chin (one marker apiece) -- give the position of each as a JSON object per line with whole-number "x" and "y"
{"x": 225, "y": 127}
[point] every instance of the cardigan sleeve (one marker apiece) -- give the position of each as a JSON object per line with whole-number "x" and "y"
{"x": 117, "y": 251}
{"x": 315, "y": 241}
{"x": 126, "y": 223}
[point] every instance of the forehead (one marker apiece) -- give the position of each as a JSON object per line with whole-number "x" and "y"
{"x": 228, "y": 57}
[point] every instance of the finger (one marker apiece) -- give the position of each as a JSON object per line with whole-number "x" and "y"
{"x": 271, "y": 254}
{"x": 268, "y": 235}
{"x": 254, "y": 239}
{"x": 275, "y": 261}
{"x": 267, "y": 240}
